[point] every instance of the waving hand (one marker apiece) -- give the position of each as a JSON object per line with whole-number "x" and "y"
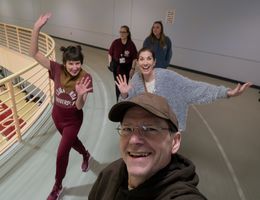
{"x": 122, "y": 85}
{"x": 82, "y": 86}
{"x": 42, "y": 20}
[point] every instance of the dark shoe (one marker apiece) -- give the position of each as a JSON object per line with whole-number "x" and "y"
{"x": 85, "y": 163}
{"x": 55, "y": 193}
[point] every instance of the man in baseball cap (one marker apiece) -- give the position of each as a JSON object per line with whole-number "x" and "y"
{"x": 150, "y": 167}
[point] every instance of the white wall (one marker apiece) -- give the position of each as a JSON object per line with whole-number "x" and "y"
{"x": 215, "y": 37}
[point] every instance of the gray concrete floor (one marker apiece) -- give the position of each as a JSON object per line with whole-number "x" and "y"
{"x": 222, "y": 139}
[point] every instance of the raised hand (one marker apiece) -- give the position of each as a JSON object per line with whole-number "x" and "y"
{"x": 82, "y": 86}
{"x": 238, "y": 90}
{"x": 42, "y": 20}
{"x": 34, "y": 50}
{"x": 122, "y": 85}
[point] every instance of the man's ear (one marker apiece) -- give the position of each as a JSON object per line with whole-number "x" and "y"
{"x": 176, "y": 142}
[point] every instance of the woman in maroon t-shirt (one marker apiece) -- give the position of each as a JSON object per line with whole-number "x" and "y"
{"x": 123, "y": 52}
{"x": 72, "y": 85}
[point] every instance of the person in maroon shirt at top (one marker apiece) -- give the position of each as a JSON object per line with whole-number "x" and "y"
{"x": 72, "y": 85}
{"x": 123, "y": 54}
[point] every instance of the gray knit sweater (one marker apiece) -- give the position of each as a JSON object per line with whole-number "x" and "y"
{"x": 179, "y": 91}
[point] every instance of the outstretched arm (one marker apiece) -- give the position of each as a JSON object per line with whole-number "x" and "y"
{"x": 34, "y": 50}
{"x": 196, "y": 92}
{"x": 238, "y": 90}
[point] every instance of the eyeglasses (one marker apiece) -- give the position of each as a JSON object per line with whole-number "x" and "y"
{"x": 145, "y": 131}
{"x": 122, "y": 32}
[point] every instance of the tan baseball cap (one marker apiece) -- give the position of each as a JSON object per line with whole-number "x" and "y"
{"x": 153, "y": 103}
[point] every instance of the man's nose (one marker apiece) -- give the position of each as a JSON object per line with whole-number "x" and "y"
{"x": 136, "y": 136}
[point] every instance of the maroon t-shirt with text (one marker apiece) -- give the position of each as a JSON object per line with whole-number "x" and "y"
{"x": 61, "y": 98}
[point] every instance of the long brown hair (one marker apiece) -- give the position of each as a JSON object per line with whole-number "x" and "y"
{"x": 162, "y": 35}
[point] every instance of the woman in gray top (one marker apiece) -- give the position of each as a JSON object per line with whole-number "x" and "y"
{"x": 178, "y": 90}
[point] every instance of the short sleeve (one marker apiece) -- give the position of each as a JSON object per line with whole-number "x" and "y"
{"x": 54, "y": 68}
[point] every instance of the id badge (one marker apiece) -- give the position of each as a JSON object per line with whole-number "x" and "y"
{"x": 121, "y": 60}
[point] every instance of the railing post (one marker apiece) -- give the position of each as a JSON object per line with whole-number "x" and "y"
{"x": 14, "y": 110}
{"x": 47, "y": 45}
{"x": 18, "y": 40}
{"x": 6, "y": 36}
{"x": 51, "y": 92}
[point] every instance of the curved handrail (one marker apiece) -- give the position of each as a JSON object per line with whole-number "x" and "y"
{"x": 26, "y": 92}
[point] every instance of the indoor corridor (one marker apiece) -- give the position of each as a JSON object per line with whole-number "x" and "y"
{"x": 222, "y": 139}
